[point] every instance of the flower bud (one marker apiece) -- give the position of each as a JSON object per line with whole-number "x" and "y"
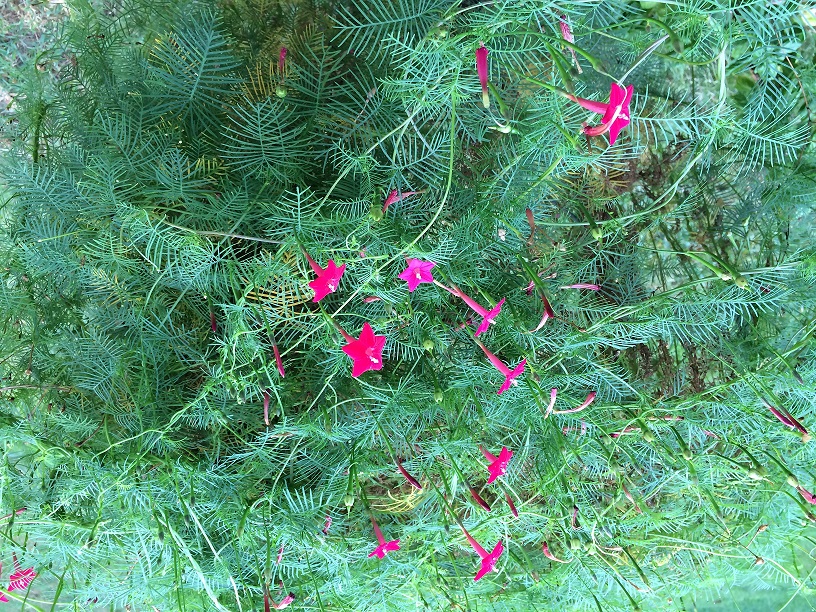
{"x": 281, "y": 91}
{"x": 348, "y": 500}
{"x": 793, "y": 480}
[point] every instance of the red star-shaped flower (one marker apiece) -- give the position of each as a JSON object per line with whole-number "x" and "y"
{"x": 498, "y": 465}
{"x": 489, "y": 562}
{"x": 366, "y": 351}
{"x": 488, "y": 559}
{"x": 615, "y": 114}
{"x": 509, "y": 375}
{"x": 417, "y": 272}
{"x": 489, "y": 318}
{"x": 509, "y": 378}
{"x": 19, "y": 580}
{"x": 384, "y": 546}
{"x": 327, "y": 280}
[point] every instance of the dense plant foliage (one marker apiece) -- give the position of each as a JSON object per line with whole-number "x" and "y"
{"x": 246, "y": 248}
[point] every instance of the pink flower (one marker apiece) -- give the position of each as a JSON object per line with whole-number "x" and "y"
{"x": 509, "y": 375}
{"x": 498, "y": 465}
{"x": 566, "y": 32}
{"x": 327, "y": 280}
{"x": 489, "y": 559}
{"x": 385, "y": 546}
{"x": 489, "y": 318}
{"x": 416, "y": 273}
{"x": 366, "y": 351}
{"x": 327, "y": 525}
{"x": 213, "y": 322}
{"x": 589, "y": 286}
{"x": 481, "y": 70}
{"x": 21, "y": 578}
{"x": 395, "y": 196}
{"x": 615, "y": 113}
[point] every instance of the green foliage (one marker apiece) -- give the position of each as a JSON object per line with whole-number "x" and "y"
{"x": 162, "y": 191}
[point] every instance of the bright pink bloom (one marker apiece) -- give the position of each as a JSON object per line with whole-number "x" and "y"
{"x": 498, "y": 465}
{"x": 510, "y": 378}
{"x": 489, "y": 559}
{"x": 589, "y": 286}
{"x": 413, "y": 481}
{"x": 21, "y": 578}
{"x": 489, "y": 318}
{"x": 481, "y": 70}
{"x": 328, "y": 525}
{"x": 327, "y": 280}
{"x": 417, "y": 272}
{"x": 395, "y": 196}
{"x": 385, "y": 546}
{"x": 282, "y": 59}
{"x": 566, "y": 32}
{"x": 366, "y": 351}
{"x": 615, "y": 114}
{"x": 509, "y": 375}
